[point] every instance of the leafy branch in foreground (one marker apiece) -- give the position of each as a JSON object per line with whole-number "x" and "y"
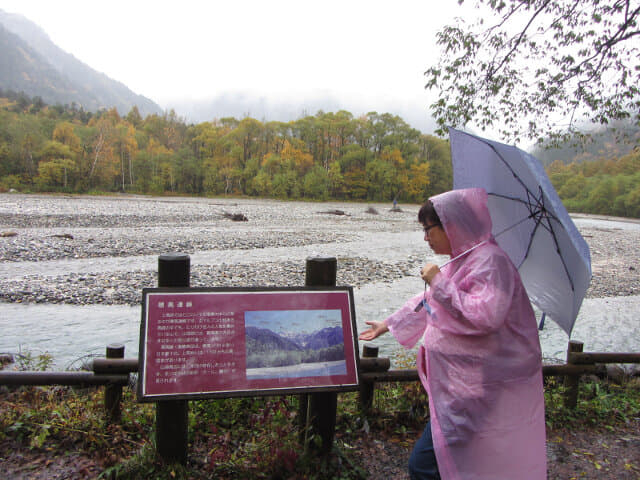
{"x": 539, "y": 67}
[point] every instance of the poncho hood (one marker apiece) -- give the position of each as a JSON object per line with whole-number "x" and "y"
{"x": 465, "y": 217}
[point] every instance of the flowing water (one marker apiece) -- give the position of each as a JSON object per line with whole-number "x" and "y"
{"x": 69, "y": 333}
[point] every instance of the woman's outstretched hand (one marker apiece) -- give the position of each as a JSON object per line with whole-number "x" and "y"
{"x": 377, "y": 329}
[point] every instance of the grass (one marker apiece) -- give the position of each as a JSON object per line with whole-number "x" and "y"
{"x": 254, "y": 437}
{"x": 600, "y": 404}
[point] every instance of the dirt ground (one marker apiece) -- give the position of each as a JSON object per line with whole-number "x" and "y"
{"x": 585, "y": 454}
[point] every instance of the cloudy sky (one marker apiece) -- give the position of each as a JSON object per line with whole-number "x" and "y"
{"x": 364, "y": 55}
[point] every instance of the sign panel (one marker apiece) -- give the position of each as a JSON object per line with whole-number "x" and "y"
{"x": 208, "y": 342}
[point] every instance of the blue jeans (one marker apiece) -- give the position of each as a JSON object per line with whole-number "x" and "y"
{"x": 422, "y": 463}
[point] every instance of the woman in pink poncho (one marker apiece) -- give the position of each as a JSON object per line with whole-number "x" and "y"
{"x": 480, "y": 361}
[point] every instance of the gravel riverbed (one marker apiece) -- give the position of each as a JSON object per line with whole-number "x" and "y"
{"x": 42, "y": 236}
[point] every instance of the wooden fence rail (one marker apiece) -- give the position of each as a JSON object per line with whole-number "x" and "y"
{"x": 373, "y": 369}
{"x": 112, "y": 372}
{"x": 595, "y": 357}
{"x": 61, "y": 378}
{"x": 114, "y": 366}
{"x": 578, "y": 363}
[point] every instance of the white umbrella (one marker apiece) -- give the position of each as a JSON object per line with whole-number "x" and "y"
{"x": 529, "y": 222}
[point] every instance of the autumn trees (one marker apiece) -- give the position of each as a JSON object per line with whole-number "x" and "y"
{"x": 375, "y": 157}
{"x": 606, "y": 186}
{"x": 329, "y": 155}
{"x": 324, "y": 156}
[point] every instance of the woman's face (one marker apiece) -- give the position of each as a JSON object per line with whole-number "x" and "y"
{"x": 435, "y": 235}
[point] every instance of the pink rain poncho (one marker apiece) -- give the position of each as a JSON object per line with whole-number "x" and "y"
{"x": 481, "y": 360}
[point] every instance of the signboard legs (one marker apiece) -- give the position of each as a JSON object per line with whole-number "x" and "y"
{"x": 320, "y": 408}
{"x": 172, "y": 423}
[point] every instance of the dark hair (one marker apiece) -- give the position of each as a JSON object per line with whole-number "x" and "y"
{"x": 428, "y": 213}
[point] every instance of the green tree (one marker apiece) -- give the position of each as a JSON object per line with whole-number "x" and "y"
{"x": 632, "y": 200}
{"x": 537, "y": 67}
{"x": 316, "y": 183}
{"x": 261, "y": 184}
{"x": 188, "y": 171}
{"x": 601, "y": 198}
{"x": 285, "y": 185}
{"x": 54, "y": 174}
{"x": 382, "y": 180}
{"x": 336, "y": 180}
{"x": 355, "y": 184}
{"x": 574, "y": 187}
{"x": 134, "y": 117}
{"x": 142, "y": 164}
{"x": 435, "y": 151}
{"x": 5, "y": 156}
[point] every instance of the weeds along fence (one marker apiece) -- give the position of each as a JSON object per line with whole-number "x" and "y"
{"x": 377, "y": 370}
{"x": 113, "y": 372}
{"x": 317, "y": 414}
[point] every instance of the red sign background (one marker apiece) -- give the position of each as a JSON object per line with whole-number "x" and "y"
{"x": 193, "y": 341}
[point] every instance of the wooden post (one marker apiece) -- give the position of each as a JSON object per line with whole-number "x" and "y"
{"x": 321, "y": 406}
{"x": 303, "y": 410}
{"x": 172, "y": 425}
{"x": 113, "y": 393}
{"x": 572, "y": 382}
{"x": 367, "y": 388}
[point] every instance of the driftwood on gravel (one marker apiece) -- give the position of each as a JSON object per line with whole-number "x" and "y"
{"x": 68, "y": 236}
{"x": 236, "y": 217}
{"x": 336, "y": 212}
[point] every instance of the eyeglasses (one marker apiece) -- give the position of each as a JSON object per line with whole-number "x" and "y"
{"x": 429, "y": 227}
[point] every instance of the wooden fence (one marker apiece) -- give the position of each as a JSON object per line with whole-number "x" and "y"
{"x": 113, "y": 373}
{"x": 376, "y": 370}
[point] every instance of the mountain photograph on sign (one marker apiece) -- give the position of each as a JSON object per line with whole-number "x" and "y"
{"x": 294, "y": 343}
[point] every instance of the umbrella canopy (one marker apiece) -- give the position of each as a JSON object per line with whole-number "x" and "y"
{"x": 529, "y": 222}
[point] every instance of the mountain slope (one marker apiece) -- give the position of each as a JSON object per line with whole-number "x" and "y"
{"x": 264, "y": 340}
{"x": 327, "y": 337}
{"x": 32, "y": 63}
{"x": 23, "y": 69}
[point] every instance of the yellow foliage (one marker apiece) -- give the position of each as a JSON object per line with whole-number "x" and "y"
{"x": 418, "y": 180}
{"x": 394, "y": 156}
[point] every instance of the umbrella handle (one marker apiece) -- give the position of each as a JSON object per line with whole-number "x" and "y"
{"x": 464, "y": 253}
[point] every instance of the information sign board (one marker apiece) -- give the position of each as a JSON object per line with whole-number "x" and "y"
{"x": 210, "y": 342}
